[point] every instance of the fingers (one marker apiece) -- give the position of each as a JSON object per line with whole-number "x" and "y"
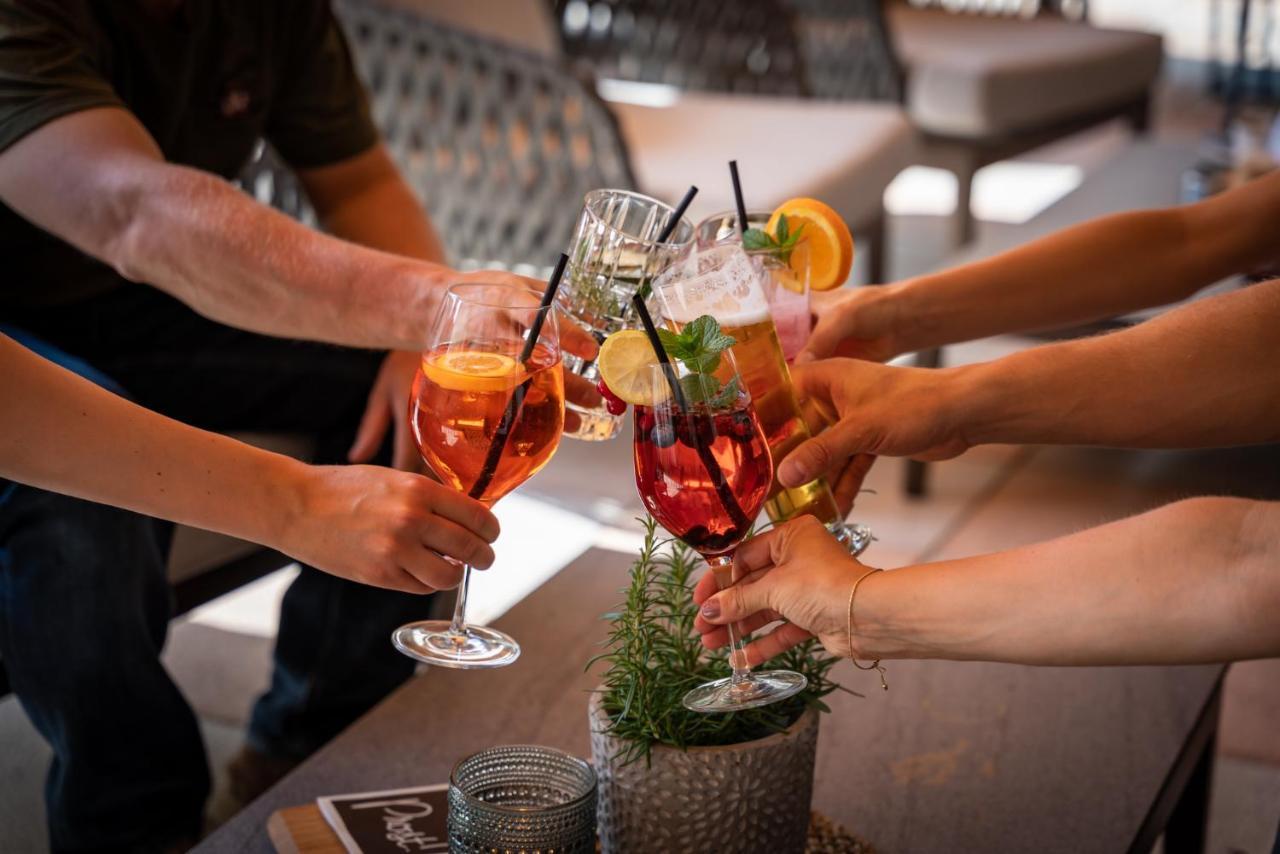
{"x": 823, "y": 452}
{"x": 738, "y": 602}
{"x": 404, "y": 453}
{"x": 580, "y": 391}
{"x": 373, "y": 426}
{"x": 776, "y": 642}
{"x": 430, "y": 569}
{"x": 467, "y": 512}
{"x": 575, "y": 339}
{"x": 706, "y": 587}
{"x": 752, "y": 556}
{"x": 453, "y": 541}
{"x": 714, "y": 636}
{"x": 826, "y": 336}
{"x": 849, "y": 483}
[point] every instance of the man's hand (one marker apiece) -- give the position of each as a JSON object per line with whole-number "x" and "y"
{"x": 877, "y": 410}
{"x": 389, "y": 405}
{"x": 796, "y": 572}
{"x": 858, "y": 323}
{"x": 386, "y": 528}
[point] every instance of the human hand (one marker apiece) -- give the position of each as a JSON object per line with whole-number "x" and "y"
{"x": 859, "y": 323}
{"x": 389, "y": 405}
{"x": 879, "y": 410}
{"x": 796, "y": 572}
{"x": 385, "y": 528}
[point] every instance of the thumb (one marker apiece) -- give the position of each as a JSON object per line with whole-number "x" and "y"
{"x": 822, "y": 453}
{"x": 738, "y": 602}
{"x": 373, "y": 426}
{"x": 826, "y": 336}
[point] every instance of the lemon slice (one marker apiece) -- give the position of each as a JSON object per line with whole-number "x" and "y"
{"x": 830, "y": 245}
{"x": 626, "y": 363}
{"x": 472, "y": 370}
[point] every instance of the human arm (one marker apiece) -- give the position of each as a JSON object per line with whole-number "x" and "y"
{"x": 1102, "y": 268}
{"x": 1206, "y": 374}
{"x": 1195, "y": 581}
{"x": 373, "y": 525}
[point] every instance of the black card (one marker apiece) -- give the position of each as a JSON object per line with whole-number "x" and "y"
{"x": 397, "y": 821}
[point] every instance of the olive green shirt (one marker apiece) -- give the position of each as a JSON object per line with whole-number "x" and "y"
{"x": 208, "y": 82}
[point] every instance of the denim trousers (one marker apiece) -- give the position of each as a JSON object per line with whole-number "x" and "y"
{"x": 84, "y": 602}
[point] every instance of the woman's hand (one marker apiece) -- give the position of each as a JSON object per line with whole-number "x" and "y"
{"x": 859, "y": 323}
{"x": 385, "y": 527}
{"x": 796, "y": 572}
{"x": 879, "y": 410}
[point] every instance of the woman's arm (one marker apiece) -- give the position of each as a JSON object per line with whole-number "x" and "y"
{"x": 1102, "y": 268}
{"x": 374, "y": 525}
{"x": 1196, "y": 581}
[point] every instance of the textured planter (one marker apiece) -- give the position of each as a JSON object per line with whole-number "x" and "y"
{"x": 748, "y": 798}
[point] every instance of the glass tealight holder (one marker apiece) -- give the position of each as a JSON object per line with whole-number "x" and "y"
{"x": 522, "y": 798}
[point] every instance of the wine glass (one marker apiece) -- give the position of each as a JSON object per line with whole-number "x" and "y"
{"x": 703, "y": 471}
{"x": 486, "y": 413}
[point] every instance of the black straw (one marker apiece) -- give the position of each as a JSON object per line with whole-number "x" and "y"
{"x": 516, "y": 403}
{"x": 737, "y": 196}
{"x": 677, "y": 214}
{"x": 663, "y": 359}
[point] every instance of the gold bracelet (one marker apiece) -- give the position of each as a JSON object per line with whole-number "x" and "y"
{"x": 875, "y": 665}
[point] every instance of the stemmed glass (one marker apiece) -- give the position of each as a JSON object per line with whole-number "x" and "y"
{"x": 614, "y": 253}
{"x": 703, "y": 471}
{"x": 486, "y": 413}
{"x": 729, "y": 284}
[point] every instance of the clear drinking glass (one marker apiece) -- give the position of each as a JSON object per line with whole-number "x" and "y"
{"x": 486, "y": 413}
{"x": 703, "y": 471}
{"x": 614, "y": 253}
{"x": 787, "y": 285}
{"x": 524, "y": 798}
{"x": 728, "y": 283}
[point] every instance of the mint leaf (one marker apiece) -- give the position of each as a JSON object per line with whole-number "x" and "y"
{"x": 755, "y": 238}
{"x": 783, "y": 228}
{"x": 671, "y": 341}
{"x": 728, "y": 394}
{"x": 700, "y": 388}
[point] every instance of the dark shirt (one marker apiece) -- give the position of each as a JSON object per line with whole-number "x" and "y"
{"x": 207, "y": 82}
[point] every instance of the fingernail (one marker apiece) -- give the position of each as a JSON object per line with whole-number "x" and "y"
{"x": 791, "y": 474}
{"x": 711, "y": 610}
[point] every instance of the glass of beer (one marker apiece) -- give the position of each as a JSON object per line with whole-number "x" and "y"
{"x": 727, "y": 283}
{"x": 486, "y": 413}
{"x": 614, "y": 253}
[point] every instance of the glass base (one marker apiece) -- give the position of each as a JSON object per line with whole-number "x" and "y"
{"x": 477, "y": 647}
{"x": 854, "y": 536}
{"x": 724, "y": 695}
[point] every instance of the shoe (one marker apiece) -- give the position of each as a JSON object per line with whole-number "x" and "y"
{"x": 249, "y": 773}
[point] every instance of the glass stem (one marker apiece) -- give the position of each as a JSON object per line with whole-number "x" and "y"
{"x": 722, "y": 566}
{"x": 458, "y": 626}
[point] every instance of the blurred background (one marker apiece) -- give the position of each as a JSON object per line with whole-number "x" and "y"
{"x": 942, "y": 132}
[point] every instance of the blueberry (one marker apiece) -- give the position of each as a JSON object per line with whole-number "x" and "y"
{"x": 663, "y": 435}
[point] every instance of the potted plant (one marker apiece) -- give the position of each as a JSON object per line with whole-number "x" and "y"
{"x": 675, "y": 780}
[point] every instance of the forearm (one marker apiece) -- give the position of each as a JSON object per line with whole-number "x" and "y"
{"x": 1099, "y": 269}
{"x": 1197, "y": 581}
{"x": 249, "y": 266}
{"x": 65, "y": 434}
{"x": 1206, "y": 374}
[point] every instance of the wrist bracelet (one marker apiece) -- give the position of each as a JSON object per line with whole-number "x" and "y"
{"x": 875, "y": 665}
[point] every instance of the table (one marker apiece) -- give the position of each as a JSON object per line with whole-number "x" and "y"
{"x": 955, "y": 757}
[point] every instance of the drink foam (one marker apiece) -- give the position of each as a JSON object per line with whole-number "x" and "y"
{"x": 722, "y": 282}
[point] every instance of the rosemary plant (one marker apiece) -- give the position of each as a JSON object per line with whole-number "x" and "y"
{"x": 654, "y": 658}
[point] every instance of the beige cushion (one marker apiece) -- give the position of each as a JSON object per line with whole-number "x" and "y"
{"x": 195, "y": 551}
{"x": 843, "y": 153}
{"x": 973, "y": 75}
{"x": 525, "y": 24}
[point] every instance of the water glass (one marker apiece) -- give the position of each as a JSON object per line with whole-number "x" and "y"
{"x": 614, "y": 253}
{"x": 522, "y": 798}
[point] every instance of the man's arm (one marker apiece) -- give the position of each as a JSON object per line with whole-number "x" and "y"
{"x": 1196, "y": 581}
{"x": 1099, "y": 269}
{"x": 1206, "y": 374}
{"x": 96, "y": 179}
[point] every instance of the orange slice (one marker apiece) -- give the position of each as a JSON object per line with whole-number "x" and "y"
{"x": 830, "y": 245}
{"x": 472, "y": 370}
{"x": 627, "y": 363}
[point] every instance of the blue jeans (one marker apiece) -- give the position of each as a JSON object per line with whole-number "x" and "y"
{"x": 84, "y": 602}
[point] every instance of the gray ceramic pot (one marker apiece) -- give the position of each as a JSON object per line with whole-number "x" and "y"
{"x": 746, "y": 798}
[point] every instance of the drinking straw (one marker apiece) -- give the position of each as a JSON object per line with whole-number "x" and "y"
{"x": 669, "y": 228}
{"x": 516, "y": 403}
{"x": 737, "y": 196}
{"x": 727, "y": 499}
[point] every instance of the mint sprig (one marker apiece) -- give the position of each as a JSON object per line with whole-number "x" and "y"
{"x": 781, "y": 246}
{"x": 698, "y": 347}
